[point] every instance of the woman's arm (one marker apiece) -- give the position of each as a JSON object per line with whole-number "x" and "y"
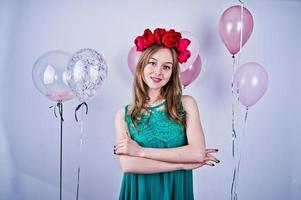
{"x": 139, "y": 165}
{"x": 193, "y": 152}
{"x": 143, "y": 165}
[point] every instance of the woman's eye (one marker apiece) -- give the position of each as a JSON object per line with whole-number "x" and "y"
{"x": 152, "y": 63}
{"x": 166, "y": 67}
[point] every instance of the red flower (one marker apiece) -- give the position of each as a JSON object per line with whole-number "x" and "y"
{"x": 139, "y": 43}
{"x": 183, "y": 44}
{"x": 168, "y": 39}
{"x": 148, "y": 38}
{"x": 183, "y": 56}
{"x": 171, "y": 38}
{"x": 159, "y": 32}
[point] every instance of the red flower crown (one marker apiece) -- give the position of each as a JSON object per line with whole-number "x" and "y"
{"x": 169, "y": 39}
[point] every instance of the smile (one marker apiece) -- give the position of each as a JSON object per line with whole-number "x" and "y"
{"x": 156, "y": 80}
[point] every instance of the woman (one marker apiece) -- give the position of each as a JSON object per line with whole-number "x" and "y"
{"x": 159, "y": 137}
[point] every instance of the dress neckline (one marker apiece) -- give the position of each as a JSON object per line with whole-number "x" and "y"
{"x": 157, "y": 105}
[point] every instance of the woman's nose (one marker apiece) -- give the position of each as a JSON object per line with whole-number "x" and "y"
{"x": 157, "y": 70}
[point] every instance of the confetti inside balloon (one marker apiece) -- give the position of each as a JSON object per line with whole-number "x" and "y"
{"x": 86, "y": 72}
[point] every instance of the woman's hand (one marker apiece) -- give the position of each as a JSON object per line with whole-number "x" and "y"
{"x": 208, "y": 160}
{"x": 128, "y": 147}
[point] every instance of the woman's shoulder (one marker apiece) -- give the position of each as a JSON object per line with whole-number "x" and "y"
{"x": 187, "y": 99}
{"x": 188, "y": 102}
{"x": 122, "y": 111}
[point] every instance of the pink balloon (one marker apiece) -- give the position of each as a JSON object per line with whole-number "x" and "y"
{"x": 230, "y": 27}
{"x": 133, "y": 58}
{"x": 191, "y": 73}
{"x": 251, "y": 82}
{"x": 193, "y": 47}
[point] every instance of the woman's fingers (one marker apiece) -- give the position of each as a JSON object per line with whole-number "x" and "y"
{"x": 209, "y": 163}
{"x": 123, "y": 141}
{"x": 127, "y": 138}
{"x": 211, "y": 151}
{"x": 120, "y": 151}
{"x": 211, "y": 157}
{"x": 120, "y": 144}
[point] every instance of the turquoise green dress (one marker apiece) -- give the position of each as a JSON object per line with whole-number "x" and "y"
{"x": 157, "y": 131}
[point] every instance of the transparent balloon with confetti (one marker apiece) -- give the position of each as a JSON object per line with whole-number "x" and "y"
{"x": 86, "y": 72}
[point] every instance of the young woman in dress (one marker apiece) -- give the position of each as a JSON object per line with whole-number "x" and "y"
{"x": 159, "y": 137}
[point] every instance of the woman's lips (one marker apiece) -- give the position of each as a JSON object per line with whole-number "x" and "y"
{"x": 156, "y": 80}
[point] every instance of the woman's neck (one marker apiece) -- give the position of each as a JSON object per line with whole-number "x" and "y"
{"x": 154, "y": 96}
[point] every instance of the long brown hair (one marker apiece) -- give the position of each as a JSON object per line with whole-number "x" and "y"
{"x": 171, "y": 91}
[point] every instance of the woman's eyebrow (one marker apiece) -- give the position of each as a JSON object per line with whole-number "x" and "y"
{"x": 165, "y": 62}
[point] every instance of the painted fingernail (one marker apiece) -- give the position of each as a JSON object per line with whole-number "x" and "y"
{"x": 213, "y": 165}
{"x": 216, "y": 150}
{"x": 218, "y": 161}
{"x": 114, "y": 146}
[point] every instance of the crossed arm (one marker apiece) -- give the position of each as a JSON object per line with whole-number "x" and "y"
{"x": 136, "y": 159}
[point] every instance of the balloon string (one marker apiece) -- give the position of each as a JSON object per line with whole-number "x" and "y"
{"x": 234, "y": 136}
{"x": 78, "y": 107}
{"x": 80, "y": 142}
{"x": 241, "y": 147}
{"x": 59, "y": 105}
{"x": 241, "y": 2}
{"x": 233, "y": 110}
{"x": 236, "y": 147}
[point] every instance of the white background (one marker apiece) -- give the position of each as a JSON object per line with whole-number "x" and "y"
{"x": 29, "y": 132}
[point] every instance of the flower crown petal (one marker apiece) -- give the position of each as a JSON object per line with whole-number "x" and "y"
{"x": 159, "y": 32}
{"x": 183, "y": 44}
{"x": 148, "y": 37}
{"x": 183, "y": 56}
{"x": 139, "y": 43}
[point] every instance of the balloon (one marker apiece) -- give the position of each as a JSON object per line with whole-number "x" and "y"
{"x": 191, "y": 73}
{"x": 251, "y": 82}
{"x": 86, "y": 71}
{"x": 193, "y": 48}
{"x": 133, "y": 58}
{"x": 230, "y": 27}
{"x": 49, "y": 76}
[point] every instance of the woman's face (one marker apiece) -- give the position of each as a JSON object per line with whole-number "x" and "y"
{"x": 158, "y": 70}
